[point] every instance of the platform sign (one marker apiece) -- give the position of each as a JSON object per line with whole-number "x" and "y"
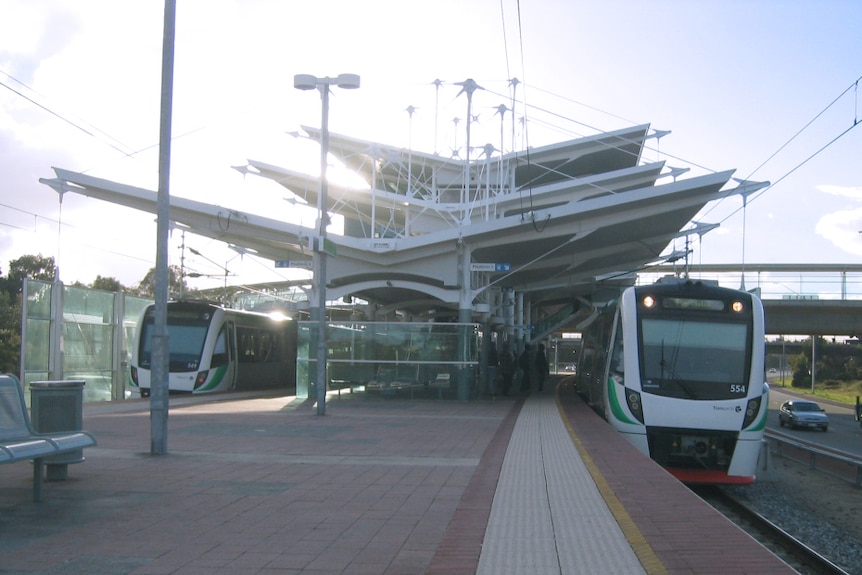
{"x": 330, "y": 247}
{"x": 479, "y": 267}
{"x": 300, "y": 264}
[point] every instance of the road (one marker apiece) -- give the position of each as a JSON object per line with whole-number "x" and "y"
{"x": 844, "y": 432}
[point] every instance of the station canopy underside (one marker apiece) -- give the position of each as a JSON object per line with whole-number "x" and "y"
{"x": 562, "y": 222}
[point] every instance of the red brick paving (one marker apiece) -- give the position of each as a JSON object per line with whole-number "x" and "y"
{"x": 376, "y": 486}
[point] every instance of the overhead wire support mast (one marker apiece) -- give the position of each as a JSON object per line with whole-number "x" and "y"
{"x": 159, "y": 394}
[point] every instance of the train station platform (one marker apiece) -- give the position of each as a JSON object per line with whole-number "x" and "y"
{"x": 262, "y": 485}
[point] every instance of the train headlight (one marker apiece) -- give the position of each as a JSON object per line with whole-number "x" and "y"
{"x": 633, "y": 400}
{"x": 752, "y": 408}
{"x": 737, "y": 306}
{"x": 648, "y": 301}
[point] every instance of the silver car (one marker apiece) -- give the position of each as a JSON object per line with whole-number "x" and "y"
{"x": 802, "y": 413}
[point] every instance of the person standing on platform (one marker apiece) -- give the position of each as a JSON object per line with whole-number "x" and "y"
{"x": 526, "y": 366}
{"x": 542, "y": 367}
{"x": 507, "y": 368}
{"x": 493, "y": 362}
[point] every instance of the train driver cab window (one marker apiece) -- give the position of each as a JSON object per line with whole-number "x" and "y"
{"x": 617, "y": 366}
{"x": 220, "y": 349}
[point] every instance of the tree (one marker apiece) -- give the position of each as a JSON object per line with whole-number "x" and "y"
{"x": 851, "y": 369}
{"x": 107, "y": 284}
{"x": 176, "y": 283}
{"x": 801, "y": 372}
{"x": 31, "y": 267}
{"x": 10, "y": 332}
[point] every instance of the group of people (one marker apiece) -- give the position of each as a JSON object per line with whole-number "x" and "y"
{"x": 503, "y": 367}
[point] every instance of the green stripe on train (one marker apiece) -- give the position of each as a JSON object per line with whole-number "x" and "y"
{"x": 614, "y": 402}
{"x": 215, "y": 380}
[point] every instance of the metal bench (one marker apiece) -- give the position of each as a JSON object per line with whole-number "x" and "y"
{"x": 18, "y": 441}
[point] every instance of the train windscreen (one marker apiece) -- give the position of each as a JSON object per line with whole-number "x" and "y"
{"x": 186, "y": 340}
{"x": 696, "y": 360}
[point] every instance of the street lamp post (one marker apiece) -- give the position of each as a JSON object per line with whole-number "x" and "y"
{"x": 309, "y": 82}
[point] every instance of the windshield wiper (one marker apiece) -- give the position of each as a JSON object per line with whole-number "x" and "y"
{"x": 674, "y": 376}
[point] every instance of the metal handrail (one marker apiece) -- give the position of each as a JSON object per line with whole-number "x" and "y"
{"x": 814, "y": 452}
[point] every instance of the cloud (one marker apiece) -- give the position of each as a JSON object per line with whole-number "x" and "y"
{"x": 854, "y": 193}
{"x": 842, "y": 228}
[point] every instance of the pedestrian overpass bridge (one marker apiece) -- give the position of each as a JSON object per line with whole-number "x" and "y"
{"x": 798, "y": 299}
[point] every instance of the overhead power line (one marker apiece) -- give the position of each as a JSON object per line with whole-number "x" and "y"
{"x": 810, "y": 157}
{"x": 58, "y": 115}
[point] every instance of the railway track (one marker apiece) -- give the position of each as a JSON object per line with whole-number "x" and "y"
{"x": 799, "y": 556}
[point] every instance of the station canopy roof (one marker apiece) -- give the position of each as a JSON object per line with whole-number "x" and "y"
{"x": 557, "y": 222}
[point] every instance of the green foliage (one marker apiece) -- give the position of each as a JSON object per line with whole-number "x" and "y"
{"x": 844, "y": 392}
{"x": 851, "y": 368}
{"x": 107, "y": 284}
{"x": 838, "y": 363}
{"x": 176, "y": 283}
{"x": 801, "y": 371}
{"x": 30, "y": 267}
{"x": 10, "y": 332}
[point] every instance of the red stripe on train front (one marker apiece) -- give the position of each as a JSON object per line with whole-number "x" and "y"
{"x": 709, "y": 476}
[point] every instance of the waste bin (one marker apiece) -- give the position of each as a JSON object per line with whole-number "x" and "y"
{"x": 58, "y": 406}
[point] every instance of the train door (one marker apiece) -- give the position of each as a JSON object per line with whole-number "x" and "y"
{"x": 224, "y": 355}
{"x": 233, "y": 364}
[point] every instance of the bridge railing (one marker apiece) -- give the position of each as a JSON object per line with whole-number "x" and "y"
{"x": 778, "y": 281}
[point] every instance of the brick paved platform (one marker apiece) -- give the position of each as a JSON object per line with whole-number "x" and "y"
{"x": 264, "y": 486}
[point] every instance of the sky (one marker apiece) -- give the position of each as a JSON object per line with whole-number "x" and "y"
{"x": 765, "y": 87}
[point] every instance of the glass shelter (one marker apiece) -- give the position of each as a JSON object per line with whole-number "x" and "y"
{"x": 398, "y": 358}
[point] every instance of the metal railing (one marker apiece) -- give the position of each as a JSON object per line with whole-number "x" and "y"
{"x": 778, "y": 281}
{"x": 831, "y": 461}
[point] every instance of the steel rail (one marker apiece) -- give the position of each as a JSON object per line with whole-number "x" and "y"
{"x": 791, "y": 550}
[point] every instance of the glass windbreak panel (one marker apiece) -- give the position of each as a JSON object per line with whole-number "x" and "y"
{"x": 97, "y": 383}
{"x": 94, "y": 305}
{"x": 133, "y": 307}
{"x": 88, "y": 340}
{"x": 87, "y": 347}
{"x": 37, "y": 345}
{"x": 398, "y": 342}
{"x": 29, "y": 378}
{"x": 694, "y": 359}
{"x": 38, "y": 299}
{"x": 392, "y": 356}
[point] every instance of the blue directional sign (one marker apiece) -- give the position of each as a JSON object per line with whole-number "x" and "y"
{"x": 303, "y": 264}
{"x": 480, "y": 267}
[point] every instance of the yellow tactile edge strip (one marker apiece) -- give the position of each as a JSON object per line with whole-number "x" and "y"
{"x": 645, "y": 554}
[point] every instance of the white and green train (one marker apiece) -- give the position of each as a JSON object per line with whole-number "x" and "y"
{"x": 678, "y": 368}
{"x": 215, "y": 349}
